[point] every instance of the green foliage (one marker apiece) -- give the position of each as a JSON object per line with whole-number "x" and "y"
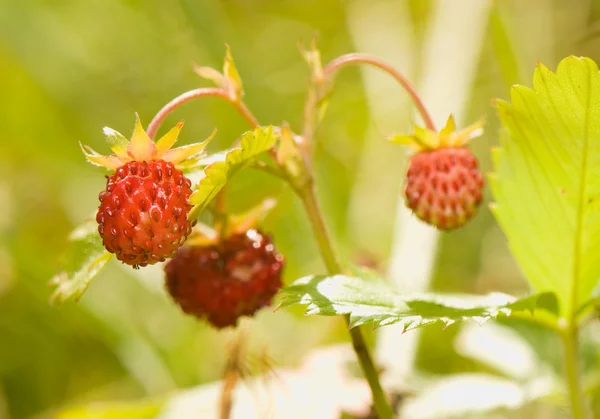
{"x": 547, "y": 179}
{"x": 374, "y": 301}
{"x": 84, "y": 258}
{"x": 217, "y": 174}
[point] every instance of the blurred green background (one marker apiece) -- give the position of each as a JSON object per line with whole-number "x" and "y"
{"x": 70, "y": 67}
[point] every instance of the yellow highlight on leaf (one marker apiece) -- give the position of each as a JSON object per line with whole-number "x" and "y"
{"x": 177, "y": 155}
{"x": 141, "y": 147}
{"x": 168, "y": 140}
{"x": 426, "y": 139}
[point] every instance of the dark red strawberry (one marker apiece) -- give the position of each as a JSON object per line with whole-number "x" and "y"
{"x": 224, "y": 281}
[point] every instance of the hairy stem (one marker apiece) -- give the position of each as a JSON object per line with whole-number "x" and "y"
{"x": 316, "y": 90}
{"x": 331, "y": 69}
{"x": 308, "y": 196}
{"x": 570, "y": 339}
{"x": 196, "y": 93}
{"x": 320, "y": 230}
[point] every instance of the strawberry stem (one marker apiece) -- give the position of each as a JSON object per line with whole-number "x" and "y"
{"x": 308, "y": 196}
{"x": 330, "y": 70}
{"x": 231, "y": 375}
{"x": 183, "y": 98}
{"x": 221, "y": 219}
{"x": 320, "y": 80}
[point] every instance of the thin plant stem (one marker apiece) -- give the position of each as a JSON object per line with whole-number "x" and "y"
{"x": 272, "y": 170}
{"x": 331, "y": 69}
{"x": 315, "y": 92}
{"x": 221, "y": 220}
{"x": 194, "y": 94}
{"x": 570, "y": 339}
{"x": 233, "y": 372}
{"x": 230, "y": 380}
{"x": 308, "y": 197}
{"x": 310, "y": 110}
{"x": 320, "y": 230}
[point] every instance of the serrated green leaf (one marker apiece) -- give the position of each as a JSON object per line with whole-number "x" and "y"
{"x": 83, "y": 259}
{"x": 547, "y": 179}
{"x": 253, "y": 143}
{"x": 374, "y": 301}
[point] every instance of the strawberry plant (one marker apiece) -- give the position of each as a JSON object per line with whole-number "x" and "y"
{"x": 545, "y": 186}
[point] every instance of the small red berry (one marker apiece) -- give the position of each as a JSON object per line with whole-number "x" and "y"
{"x": 143, "y": 212}
{"x": 222, "y": 282}
{"x": 142, "y": 217}
{"x": 444, "y": 186}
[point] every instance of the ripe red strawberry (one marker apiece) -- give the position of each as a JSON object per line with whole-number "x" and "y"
{"x": 444, "y": 186}
{"x": 142, "y": 217}
{"x": 143, "y": 212}
{"x": 224, "y": 281}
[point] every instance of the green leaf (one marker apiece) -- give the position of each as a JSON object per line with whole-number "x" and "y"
{"x": 83, "y": 259}
{"x": 374, "y": 301}
{"x": 547, "y": 179}
{"x": 253, "y": 143}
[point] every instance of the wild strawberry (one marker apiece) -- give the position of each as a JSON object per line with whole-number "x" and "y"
{"x": 142, "y": 217}
{"x": 444, "y": 186}
{"x": 224, "y": 281}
